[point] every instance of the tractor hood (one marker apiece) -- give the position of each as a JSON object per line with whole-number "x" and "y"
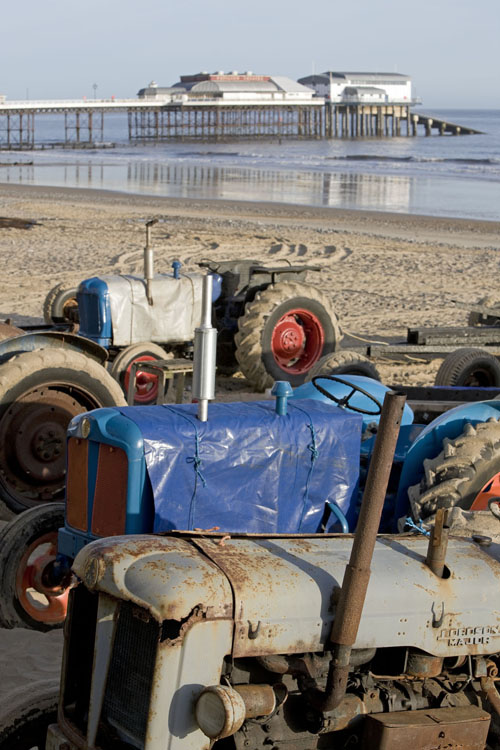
{"x": 281, "y": 590}
{"x": 173, "y": 316}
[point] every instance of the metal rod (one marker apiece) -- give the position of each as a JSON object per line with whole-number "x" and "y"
{"x": 357, "y": 573}
{"x": 149, "y": 261}
{"x": 205, "y": 348}
{"x": 438, "y": 544}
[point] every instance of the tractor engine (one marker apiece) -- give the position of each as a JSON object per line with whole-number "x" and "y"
{"x": 185, "y": 639}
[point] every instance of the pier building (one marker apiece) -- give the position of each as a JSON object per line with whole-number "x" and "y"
{"x": 225, "y": 105}
{"x": 381, "y": 88}
{"x": 219, "y": 106}
{"x": 230, "y": 88}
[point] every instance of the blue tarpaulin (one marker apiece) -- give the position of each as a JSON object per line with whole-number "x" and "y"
{"x": 247, "y": 469}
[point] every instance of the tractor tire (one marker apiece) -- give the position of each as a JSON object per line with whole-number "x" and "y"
{"x": 146, "y": 384}
{"x": 469, "y": 367}
{"x": 60, "y": 305}
{"x": 40, "y": 392}
{"x": 28, "y": 546}
{"x": 479, "y": 319}
{"x": 344, "y": 362}
{"x": 465, "y": 474}
{"x": 26, "y": 713}
{"x": 283, "y": 332}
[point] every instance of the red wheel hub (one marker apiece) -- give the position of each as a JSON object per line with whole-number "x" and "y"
{"x": 41, "y": 602}
{"x": 146, "y": 384}
{"x": 297, "y": 341}
{"x": 491, "y": 489}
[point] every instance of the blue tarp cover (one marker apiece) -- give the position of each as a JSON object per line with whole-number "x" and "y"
{"x": 247, "y": 469}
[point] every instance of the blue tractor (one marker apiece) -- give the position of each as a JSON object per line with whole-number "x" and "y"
{"x": 271, "y": 324}
{"x": 298, "y": 467}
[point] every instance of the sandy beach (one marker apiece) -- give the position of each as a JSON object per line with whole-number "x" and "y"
{"x": 384, "y": 272}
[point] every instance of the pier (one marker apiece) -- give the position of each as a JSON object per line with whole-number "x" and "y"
{"x": 444, "y": 126}
{"x": 384, "y": 120}
{"x": 209, "y": 119}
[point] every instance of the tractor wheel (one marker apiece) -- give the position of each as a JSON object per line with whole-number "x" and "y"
{"x": 344, "y": 362}
{"x": 283, "y": 332}
{"x": 60, "y": 305}
{"x": 40, "y": 392}
{"x": 26, "y": 714}
{"x": 28, "y": 548}
{"x": 465, "y": 474}
{"x": 469, "y": 367}
{"x": 479, "y": 319}
{"x": 146, "y": 384}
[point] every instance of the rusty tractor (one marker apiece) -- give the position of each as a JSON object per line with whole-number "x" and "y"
{"x": 189, "y": 638}
{"x": 121, "y": 462}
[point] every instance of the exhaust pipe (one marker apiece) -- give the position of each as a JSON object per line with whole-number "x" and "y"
{"x": 357, "y": 573}
{"x": 149, "y": 271}
{"x": 438, "y": 544}
{"x": 205, "y": 350}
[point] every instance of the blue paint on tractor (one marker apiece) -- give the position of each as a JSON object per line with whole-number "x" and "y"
{"x": 95, "y": 311}
{"x": 429, "y": 443}
{"x": 358, "y": 400}
{"x": 109, "y": 427}
{"x": 120, "y": 428}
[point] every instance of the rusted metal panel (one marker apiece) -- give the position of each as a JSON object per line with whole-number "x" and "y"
{"x": 286, "y": 589}
{"x": 282, "y": 591}
{"x": 464, "y": 728}
{"x": 168, "y": 577}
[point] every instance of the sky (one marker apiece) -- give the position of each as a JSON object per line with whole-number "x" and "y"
{"x": 56, "y": 49}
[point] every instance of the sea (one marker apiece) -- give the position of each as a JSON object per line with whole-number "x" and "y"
{"x": 448, "y": 176}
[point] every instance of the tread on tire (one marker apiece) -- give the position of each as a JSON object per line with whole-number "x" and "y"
{"x": 255, "y": 327}
{"x": 459, "y": 472}
{"x": 469, "y": 367}
{"x": 25, "y": 381}
{"x": 15, "y": 538}
{"x": 344, "y": 362}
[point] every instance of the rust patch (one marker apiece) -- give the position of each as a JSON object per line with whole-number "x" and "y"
{"x": 463, "y": 728}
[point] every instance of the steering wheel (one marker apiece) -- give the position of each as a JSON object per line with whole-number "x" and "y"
{"x": 344, "y": 401}
{"x": 212, "y": 265}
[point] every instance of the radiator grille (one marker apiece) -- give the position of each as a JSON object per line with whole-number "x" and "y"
{"x": 76, "y": 483}
{"x": 110, "y": 496}
{"x": 79, "y": 656}
{"x": 128, "y": 690}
